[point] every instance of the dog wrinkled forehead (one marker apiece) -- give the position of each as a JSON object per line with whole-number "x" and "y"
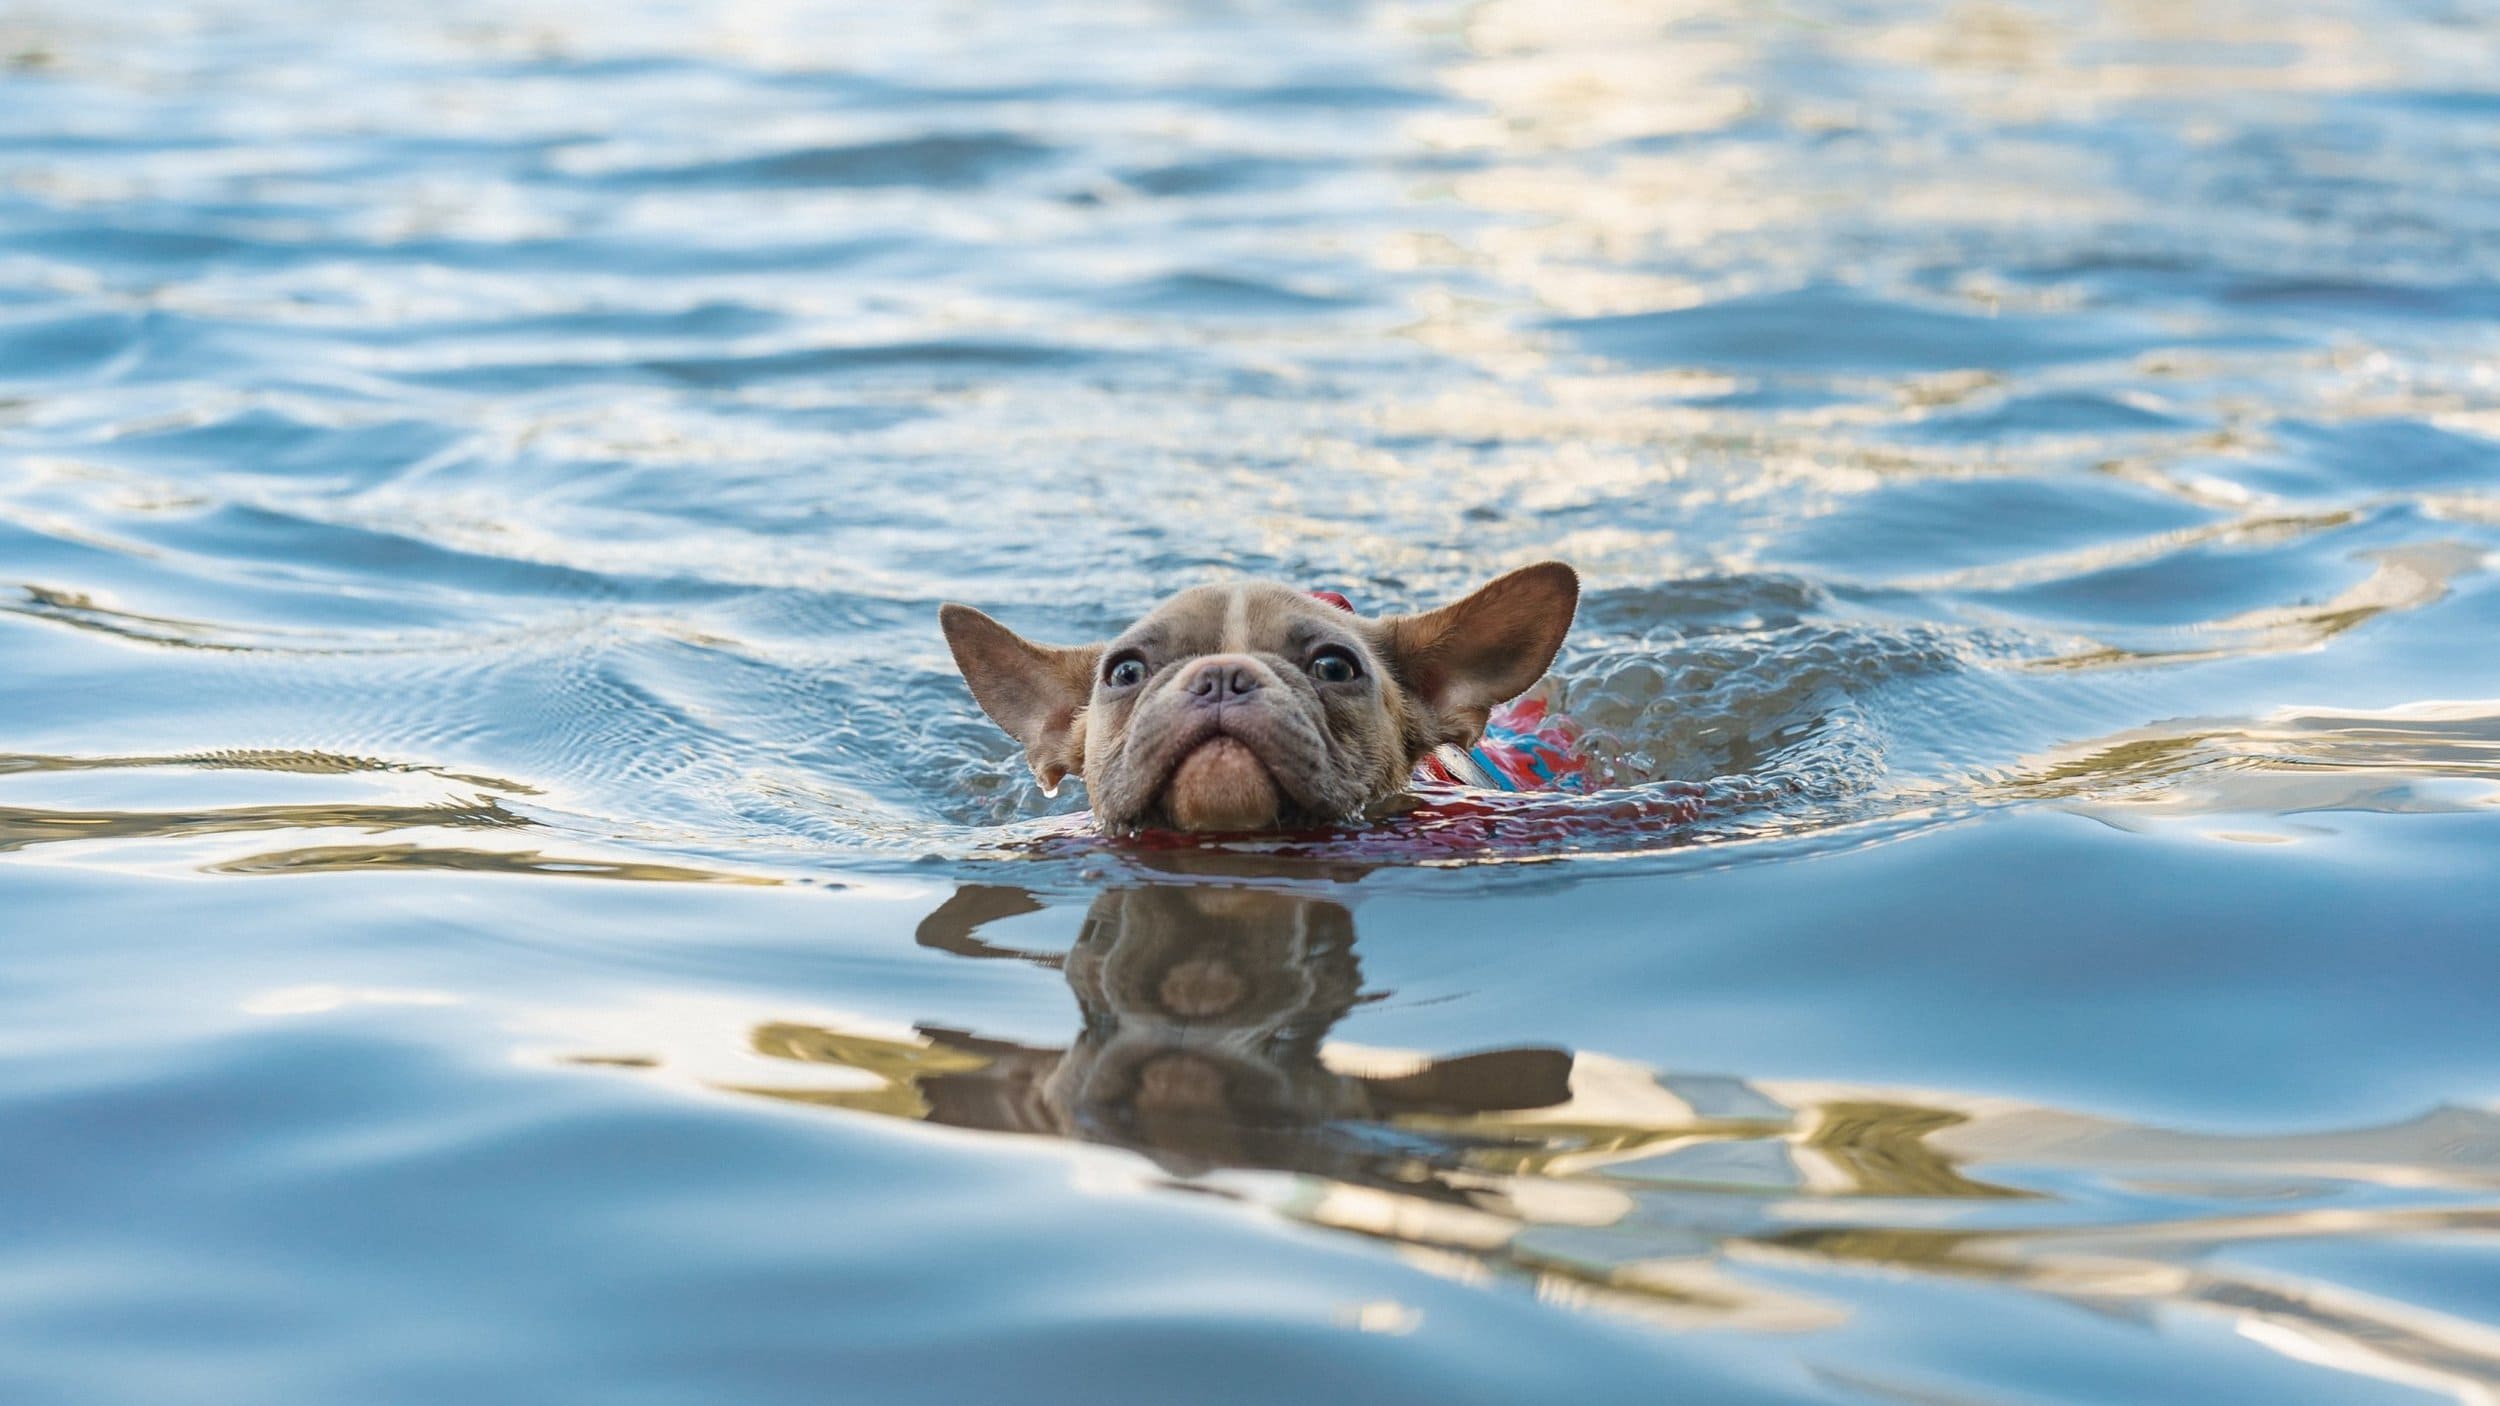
{"x": 1245, "y": 617}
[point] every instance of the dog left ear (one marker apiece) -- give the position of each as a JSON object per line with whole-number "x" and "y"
{"x": 1467, "y": 658}
{"x": 1037, "y": 692}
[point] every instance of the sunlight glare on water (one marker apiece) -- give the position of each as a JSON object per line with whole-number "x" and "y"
{"x": 507, "y": 897}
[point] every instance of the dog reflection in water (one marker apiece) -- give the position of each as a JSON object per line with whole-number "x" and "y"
{"x": 1203, "y": 1046}
{"x": 1204, "y": 1010}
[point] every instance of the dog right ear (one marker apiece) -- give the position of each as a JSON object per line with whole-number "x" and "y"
{"x": 1037, "y": 692}
{"x": 1467, "y": 658}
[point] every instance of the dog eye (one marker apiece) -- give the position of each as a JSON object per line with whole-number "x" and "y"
{"x": 1335, "y": 664}
{"x": 1124, "y": 671}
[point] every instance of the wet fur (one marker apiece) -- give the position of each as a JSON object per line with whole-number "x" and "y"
{"x": 1331, "y": 751}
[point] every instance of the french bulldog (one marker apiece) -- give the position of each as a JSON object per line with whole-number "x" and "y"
{"x": 1252, "y": 706}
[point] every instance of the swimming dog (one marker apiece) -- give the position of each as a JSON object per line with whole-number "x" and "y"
{"x": 1253, "y": 706}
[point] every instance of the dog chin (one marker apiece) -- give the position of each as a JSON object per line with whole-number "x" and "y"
{"x": 1222, "y": 786}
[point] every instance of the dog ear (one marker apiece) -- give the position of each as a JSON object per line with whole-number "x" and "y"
{"x": 1466, "y": 658}
{"x": 1037, "y": 692}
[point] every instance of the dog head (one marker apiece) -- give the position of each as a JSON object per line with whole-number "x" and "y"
{"x": 1254, "y": 706}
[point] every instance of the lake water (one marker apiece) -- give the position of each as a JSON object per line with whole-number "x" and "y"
{"x": 503, "y": 897}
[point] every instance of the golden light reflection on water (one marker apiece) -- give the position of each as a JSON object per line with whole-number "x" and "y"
{"x": 1682, "y": 1200}
{"x": 1611, "y": 82}
{"x": 22, "y": 826}
{"x": 446, "y": 814}
{"x": 343, "y": 859}
{"x": 1688, "y": 206}
{"x": 2426, "y": 758}
{"x": 1636, "y": 158}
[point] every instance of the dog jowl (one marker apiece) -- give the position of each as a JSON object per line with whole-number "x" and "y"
{"x": 1255, "y": 706}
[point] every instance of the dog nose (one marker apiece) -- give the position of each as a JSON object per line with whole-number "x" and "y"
{"x": 1220, "y": 678}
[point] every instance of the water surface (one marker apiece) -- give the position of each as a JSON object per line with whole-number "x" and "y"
{"x": 507, "y": 899}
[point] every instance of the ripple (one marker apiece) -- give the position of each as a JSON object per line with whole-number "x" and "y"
{"x": 1219, "y": 175}
{"x": 1225, "y": 294}
{"x": 296, "y": 762}
{"x": 21, "y": 827}
{"x": 939, "y": 160}
{"x": 959, "y": 358}
{"x": 1838, "y": 330}
{"x": 2399, "y": 579}
{"x": 2405, "y": 760}
{"x": 2079, "y": 414}
{"x": 265, "y": 440}
{"x": 359, "y": 859}
{"x": 63, "y": 348}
